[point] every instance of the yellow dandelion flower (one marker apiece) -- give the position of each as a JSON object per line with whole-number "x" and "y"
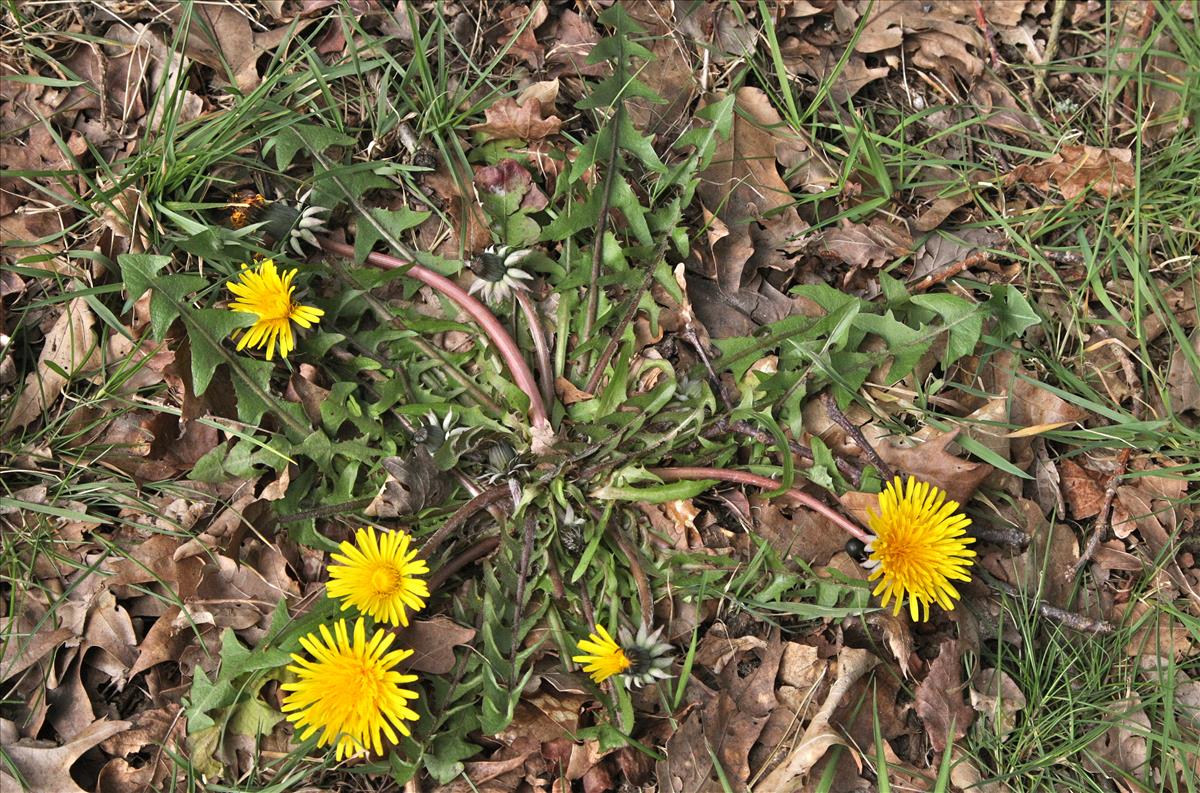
{"x": 919, "y": 546}
{"x": 379, "y": 576}
{"x": 604, "y": 657}
{"x": 349, "y": 690}
{"x": 266, "y": 293}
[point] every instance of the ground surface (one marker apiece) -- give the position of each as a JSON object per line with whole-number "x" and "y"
{"x": 812, "y": 240}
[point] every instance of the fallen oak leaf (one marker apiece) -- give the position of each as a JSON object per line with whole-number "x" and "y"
{"x": 507, "y": 119}
{"x": 1075, "y": 169}
{"x": 820, "y": 735}
{"x": 47, "y": 768}
{"x": 940, "y": 699}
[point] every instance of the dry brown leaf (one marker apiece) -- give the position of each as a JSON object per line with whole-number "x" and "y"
{"x": 570, "y": 394}
{"x": 820, "y": 734}
{"x": 1083, "y": 488}
{"x": 1075, "y": 169}
{"x": 70, "y": 346}
{"x": 519, "y": 32}
{"x": 1183, "y": 384}
{"x": 998, "y": 698}
{"x": 931, "y": 462}
{"x": 865, "y": 244}
{"x": 1120, "y": 746}
{"x": 47, "y": 768}
{"x": 573, "y": 40}
{"x": 220, "y": 37}
{"x": 507, "y": 119}
{"x": 413, "y": 482}
{"x": 940, "y": 701}
{"x": 433, "y": 642}
{"x": 896, "y": 634}
{"x": 743, "y": 188}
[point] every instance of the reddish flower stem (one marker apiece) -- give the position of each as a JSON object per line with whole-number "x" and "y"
{"x": 744, "y": 478}
{"x": 479, "y": 312}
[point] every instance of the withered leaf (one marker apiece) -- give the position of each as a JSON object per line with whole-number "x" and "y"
{"x": 433, "y": 642}
{"x": 507, "y": 119}
{"x": 1075, "y": 169}
{"x": 820, "y": 734}
{"x": 940, "y": 702}
{"x": 70, "y": 346}
{"x": 47, "y": 768}
{"x": 412, "y": 483}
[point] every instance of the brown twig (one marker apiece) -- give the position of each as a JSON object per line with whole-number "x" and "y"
{"x": 979, "y": 257}
{"x": 1056, "y": 18}
{"x": 849, "y": 469}
{"x": 459, "y": 518}
{"x": 1014, "y": 538}
{"x": 472, "y": 554}
{"x": 328, "y": 509}
{"x": 593, "y": 299}
{"x": 693, "y": 339}
{"x": 981, "y": 18}
{"x": 1070, "y": 619}
{"x": 1104, "y": 517}
{"x": 614, "y": 341}
{"x": 745, "y": 478}
{"x": 855, "y": 434}
{"x": 522, "y": 580}
{"x": 537, "y": 332}
{"x": 639, "y": 575}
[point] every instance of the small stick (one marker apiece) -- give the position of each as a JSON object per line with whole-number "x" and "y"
{"x": 693, "y": 339}
{"x": 328, "y": 509}
{"x": 1056, "y": 18}
{"x": 1014, "y": 538}
{"x": 522, "y": 580}
{"x": 852, "y": 430}
{"x": 541, "y": 349}
{"x": 614, "y": 341}
{"x": 456, "y": 521}
{"x": 981, "y": 18}
{"x": 472, "y": 554}
{"x": 593, "y": 299}
{"x": 950, "y": 271}
{"x": 765, "y": 482}
{"x": 639, "y": 575}
{"x": 1104, "y": 517}
{"x": 849, "y": 469}
{"x": 1070, "y": 619}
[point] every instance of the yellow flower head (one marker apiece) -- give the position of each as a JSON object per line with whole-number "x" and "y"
{"x": 350, "y": 690}
{"x": 264, "y": 292}
{"x": 604, "y": 657}
{"x": 379, "y": 576}
{"x": 919, "y": 546}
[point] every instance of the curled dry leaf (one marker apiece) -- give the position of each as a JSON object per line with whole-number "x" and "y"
{"x": 998, "y": 698}
{"x": 940, "y": 702}
{"x": 1123, "y": 746}
{"x": 412, "y": 483}
{"x": 47, "y": 768}
{"x": 507, "y": 119}
{"x": 70, "y": 346}
{"x": 433, "y": 642}
{"x": 931, "y": 462}
{"x": 1075, "y": 169}
{"x": 820, "y": 734}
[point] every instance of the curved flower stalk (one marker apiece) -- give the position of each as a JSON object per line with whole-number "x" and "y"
{"x": 505, "y": 346}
